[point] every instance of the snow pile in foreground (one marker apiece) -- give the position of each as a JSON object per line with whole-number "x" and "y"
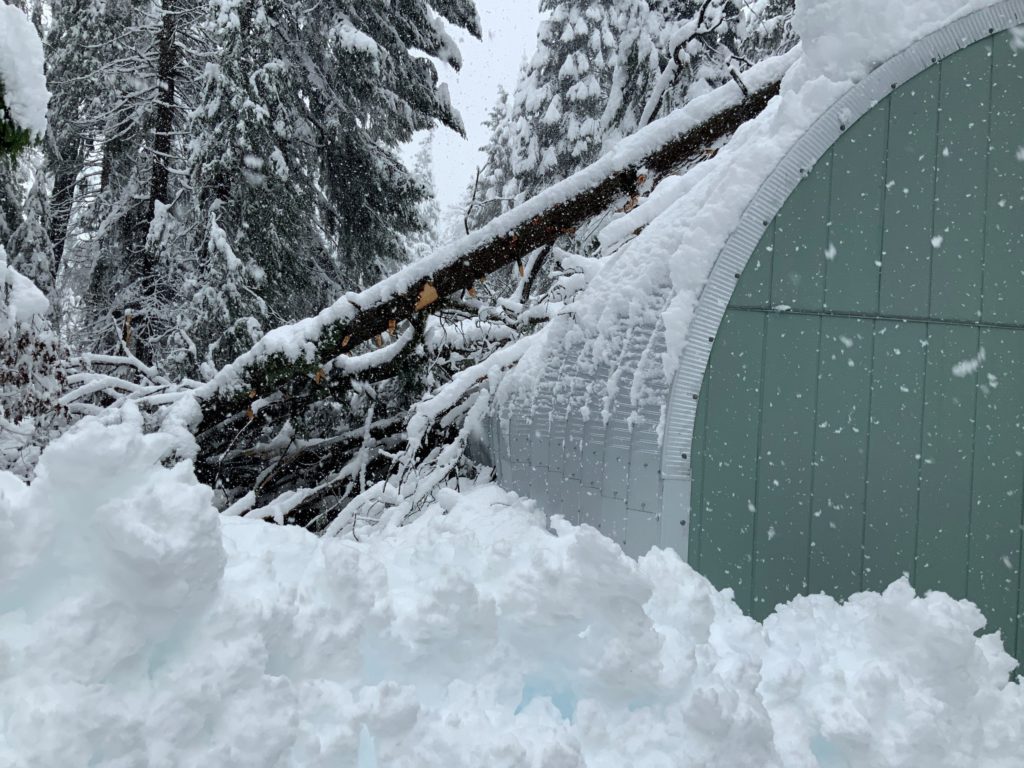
{"x": 21, "y": 71}
{"x": 137, "y": 628}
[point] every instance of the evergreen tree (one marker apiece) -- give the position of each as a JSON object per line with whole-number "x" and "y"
{"x": 768, "y": 28}
{"x": 380, "y": 95}
{"x": 299, "y": 192}
{"x": 232, "y": 165}
{"x": 128, "y": 129}
{"x": 79, "y": 45}
{"x": 29, "y": 248}
{"x": 495, "y": 188}
{"x": 423, "y": 241}
{"x": 10, "y": 195}
{"x": 604, "y": 68}
{"x": 260, "y": 257}
{"x": 562, "y": 93}
{"x": 31, "y": 370}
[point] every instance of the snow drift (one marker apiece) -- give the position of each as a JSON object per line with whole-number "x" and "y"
{"x": 138, "y": 628}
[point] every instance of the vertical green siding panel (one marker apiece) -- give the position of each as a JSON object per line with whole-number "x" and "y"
{"x": 730, "y": 460}
{"x": 853, "y": 440}
{"x": 840, "y": 456}
{"x": 801, "y": 239}
{"x": 961, "y": 184}
{"x": 995, "y": 558}
{"x": 946, "y": 463}
{"x": 1004, "y": 255}
{"x": 894, "y": 447}
{"x": 855, "y": 232}
{"x": 754, "y": 288}
{"x": 782, "y": 536}
{"x": 906, "y": 243}
{"x": 697, "y": 461}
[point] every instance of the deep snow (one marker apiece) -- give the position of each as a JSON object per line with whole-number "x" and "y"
{"x": 139, "y": 628}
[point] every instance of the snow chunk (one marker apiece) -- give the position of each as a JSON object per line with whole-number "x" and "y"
{"x": 354, "y": 40}
{"x": 970, "y": 366}
{"x": 139, "y": 628}
{"x": 845, "y": 40}
{"x": 1017, "y": 38}
{"x": 21, "y": 71}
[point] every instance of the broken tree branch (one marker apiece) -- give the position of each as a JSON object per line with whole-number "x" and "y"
{"x": 300, "y": 351}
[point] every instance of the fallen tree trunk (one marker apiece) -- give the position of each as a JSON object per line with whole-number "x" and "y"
{"x": 306, "y": 350}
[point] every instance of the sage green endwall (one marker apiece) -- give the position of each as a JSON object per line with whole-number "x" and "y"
{"x": 862, "y": 416}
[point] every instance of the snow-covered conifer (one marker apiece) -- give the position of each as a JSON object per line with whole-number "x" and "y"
{"x": 29, "y": 248}
{"x": 422, "y": 242}
{"x": 299, "y": 191}
{"x": 32, "y": 373}
{"x": 562, "y": 93}
{"x": 380, "y": 94}
{"x": 495, "y": 186}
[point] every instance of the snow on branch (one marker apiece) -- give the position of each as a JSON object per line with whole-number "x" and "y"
{"x": 301, "y": 350}
{"x": 23, "y": 93}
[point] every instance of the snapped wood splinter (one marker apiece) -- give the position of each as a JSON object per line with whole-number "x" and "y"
{"x": 428, "y": 295}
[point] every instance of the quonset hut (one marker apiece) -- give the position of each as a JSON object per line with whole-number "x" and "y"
{"x": 807, "y": 373}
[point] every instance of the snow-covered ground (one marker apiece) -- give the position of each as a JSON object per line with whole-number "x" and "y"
{"x": 139, "y": 628}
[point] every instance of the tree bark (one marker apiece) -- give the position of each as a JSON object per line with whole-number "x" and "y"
{"x": 66, "y": 169}
{"x": 159, "y": 190}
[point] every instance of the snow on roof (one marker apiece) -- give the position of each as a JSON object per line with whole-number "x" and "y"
{"x": 21, "y": 71}
{"x": 653, "y": 282}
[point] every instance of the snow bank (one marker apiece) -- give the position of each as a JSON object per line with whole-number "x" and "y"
{"x": 21, "y": 71}
{"x": 139, "y": 629}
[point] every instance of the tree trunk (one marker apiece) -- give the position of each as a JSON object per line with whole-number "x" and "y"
{"x": 65, "y": 176}
{"x": 159, "y": 190}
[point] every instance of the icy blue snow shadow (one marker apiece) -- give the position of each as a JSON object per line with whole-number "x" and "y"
{"x": 827, "y": 754}
{"x": 562, "y": 696}
{"x": 367, "y": 757}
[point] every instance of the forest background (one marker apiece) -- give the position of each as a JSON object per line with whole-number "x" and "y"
{"x": 215, "y": 169}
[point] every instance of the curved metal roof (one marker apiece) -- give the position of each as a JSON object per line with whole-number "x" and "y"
{"x": 776, "y": 190}
{"x": 580, "y": 397}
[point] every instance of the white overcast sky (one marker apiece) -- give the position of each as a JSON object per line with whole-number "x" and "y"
{"x": 509, "y": 34}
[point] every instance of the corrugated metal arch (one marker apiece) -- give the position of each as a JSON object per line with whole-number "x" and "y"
{"x": 572, "y": 439}
{"x": 766, "y": 204}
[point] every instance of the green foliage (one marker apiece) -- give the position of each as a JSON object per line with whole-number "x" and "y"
{"x": 13, "y": 138}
